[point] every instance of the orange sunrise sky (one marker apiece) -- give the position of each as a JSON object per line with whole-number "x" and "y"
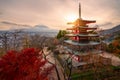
{"x": 56, "y": 13}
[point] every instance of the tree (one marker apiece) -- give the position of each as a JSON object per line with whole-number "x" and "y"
{"x": 11, "y": 40}
{"x": 16, "y": 39}
{"x": 4, "y": 40}
{"x": 37, "y": 41}
{"x": 28, "y": 64}
{"x": 61, "y": 34}
{"x": 114, "y": 47}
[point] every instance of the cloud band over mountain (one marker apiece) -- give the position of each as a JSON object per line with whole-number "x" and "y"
{"x": 36, "y": 28}
{"x": 53, "y": 12}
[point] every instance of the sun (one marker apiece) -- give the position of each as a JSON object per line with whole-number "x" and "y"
{"x": 71, "y": 18}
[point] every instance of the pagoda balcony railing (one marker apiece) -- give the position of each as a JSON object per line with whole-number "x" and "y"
{"x": 82, "y": 35}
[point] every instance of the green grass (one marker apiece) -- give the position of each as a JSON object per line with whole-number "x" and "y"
{"x": 115, "y": 67}
{"x": 90, "y": 75}
{"x": 83, "y": 76}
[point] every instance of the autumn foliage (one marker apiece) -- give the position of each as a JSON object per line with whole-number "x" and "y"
{"x": 28, "y": 64}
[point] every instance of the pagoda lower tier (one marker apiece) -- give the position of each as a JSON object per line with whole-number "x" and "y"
{"x": 89, "y": 43}
{"x": 83, "y": 38}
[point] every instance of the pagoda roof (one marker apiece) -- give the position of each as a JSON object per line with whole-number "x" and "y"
{"x": 83, "y": 35}
{"x": 81, "y": 22}
{"x": 88, "y": 28}
{"x": 81, "y": 44}
{"x": 85, "y": 21}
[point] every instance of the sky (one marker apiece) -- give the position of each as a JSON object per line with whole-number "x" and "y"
{"x": 56, "y": 13}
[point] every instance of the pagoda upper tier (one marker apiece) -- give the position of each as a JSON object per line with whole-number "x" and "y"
{"x": 80, "y": 32}
{"x": 81, "y": 22}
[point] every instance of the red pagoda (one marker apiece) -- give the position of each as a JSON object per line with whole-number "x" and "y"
{"x": 80, "y": 35}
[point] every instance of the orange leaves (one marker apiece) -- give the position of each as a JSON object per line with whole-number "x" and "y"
{"x": 115, "y": 46}
{"x": 116, "y": 43}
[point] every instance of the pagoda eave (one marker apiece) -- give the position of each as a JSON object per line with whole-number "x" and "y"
{"x": 88, "y": 21}
{"x": 87, "y": 28}
{"x": 91, "y": 43}
{"x": 82, "y": 35}
{"x": 81, "y": 21}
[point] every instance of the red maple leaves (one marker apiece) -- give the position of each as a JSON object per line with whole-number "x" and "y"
{"x": 27, "y": 64}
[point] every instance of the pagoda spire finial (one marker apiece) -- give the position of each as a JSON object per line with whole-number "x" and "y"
{"x": 79, "y": 11}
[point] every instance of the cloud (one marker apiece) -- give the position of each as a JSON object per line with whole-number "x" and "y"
{"x": 0, "y": 13}
{"x": 5, "y": 25}
{"x": 106, "y": 24}
{"x": 38, "y": 28}
{"x": 14, "y": 24}
{"x": 53, "y": 12}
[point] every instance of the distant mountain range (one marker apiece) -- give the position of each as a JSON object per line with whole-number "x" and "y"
{"x": 37, "y": 29}
{"x": 110, "y": 33}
